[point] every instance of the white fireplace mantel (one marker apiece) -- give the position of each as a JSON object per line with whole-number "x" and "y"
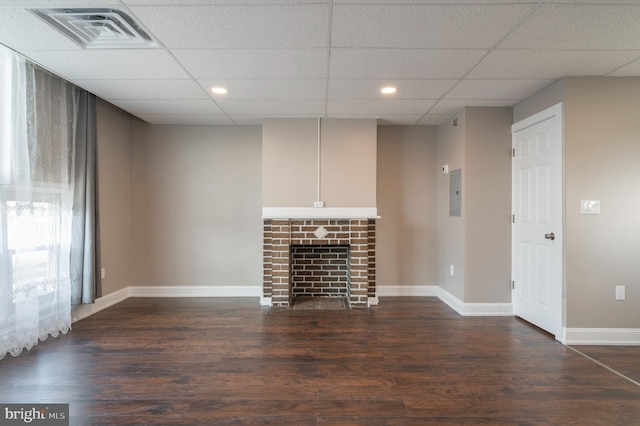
{"x": 320, "y": 213}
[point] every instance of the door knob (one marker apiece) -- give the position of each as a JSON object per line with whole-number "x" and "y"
{"x": 551, "y": 236}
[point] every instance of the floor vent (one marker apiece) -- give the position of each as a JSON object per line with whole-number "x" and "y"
{"x": 98, "y": 28}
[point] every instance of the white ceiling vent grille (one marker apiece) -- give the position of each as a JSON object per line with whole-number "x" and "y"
{"x": 98, "y": 28}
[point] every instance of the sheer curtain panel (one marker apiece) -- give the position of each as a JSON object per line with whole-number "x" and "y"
{"x": 38, "y": 115}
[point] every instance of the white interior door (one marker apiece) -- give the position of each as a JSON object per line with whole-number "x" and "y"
{"x": 537, "y": 238}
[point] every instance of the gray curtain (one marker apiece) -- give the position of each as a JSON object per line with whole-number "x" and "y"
{"x": 85, "y": 242}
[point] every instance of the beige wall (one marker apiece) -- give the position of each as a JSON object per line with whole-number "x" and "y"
{"x": 113, "y": 135}
{"x": 602, "y": 162}
{"x": 196, "y": 205}
{"x": 406, "y": 251}
{"x": 547, "y": 97}
{"x": 451, "y": 229}
{"x": 477, "y": 243}
{"x": 488, "y": 205}
{"x": 290, "y": 162}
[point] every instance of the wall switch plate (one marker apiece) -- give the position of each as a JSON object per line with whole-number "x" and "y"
{"x": 103, "y": 273}
{"x": 445, "y": 169}
{"x": 451, "y": 269}
{"x": 589, "y": 206}
{"x": 620, "y": 292}
{"x": 318, "y": 204}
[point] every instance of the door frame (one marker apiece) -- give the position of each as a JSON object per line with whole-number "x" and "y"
{"x": 554, "y": 112}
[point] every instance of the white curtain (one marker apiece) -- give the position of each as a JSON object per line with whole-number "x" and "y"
{"x": 36, "y": 199}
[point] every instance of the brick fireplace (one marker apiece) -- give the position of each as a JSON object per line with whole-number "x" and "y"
{"x": 319, "y": 258}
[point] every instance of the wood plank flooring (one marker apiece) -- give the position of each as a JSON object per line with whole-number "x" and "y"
{"x": 408, "y": 361}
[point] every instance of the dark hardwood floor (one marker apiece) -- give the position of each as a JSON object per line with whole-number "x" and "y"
{"x": 408, "y": 361}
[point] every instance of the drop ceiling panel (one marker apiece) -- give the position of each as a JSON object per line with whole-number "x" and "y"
{"x": 310, "y": 107}
{"x": 579, "y": 27}
{"x": 269, "y": 88}
{"x": 396, "y": 120}
{"x": 194, "y": 119}
{"x": 370, "y": 89}
{"x": 497, "y": 89}
{"x": 402, "y": 63}
{"x": 527, "y": 64}
{"x": 630, "y": 70}
{"x": 165, "y": 106}
{"x": 432, "y": 119}
{"x": 423, "y": 26}
{"x": 110, "y": 64}
{"x": 448, "y": 107}
{"x": 21, "y": 30}
{"x": 144, "y": 89}
{"x": 238, "y": 26}
{"x": 379, "y": 107}
{"x": 254, "y": 63}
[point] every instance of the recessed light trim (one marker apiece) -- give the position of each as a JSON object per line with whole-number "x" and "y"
{"x": 389, "y": 90}
{"x": 220, "y": 90}
{"x": 98, "y": 28}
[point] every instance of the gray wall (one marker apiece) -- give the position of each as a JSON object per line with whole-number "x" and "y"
{"x": 407, "y": 184}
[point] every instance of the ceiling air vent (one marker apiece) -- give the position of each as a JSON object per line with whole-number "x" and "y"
{"x": 98, "y": 28}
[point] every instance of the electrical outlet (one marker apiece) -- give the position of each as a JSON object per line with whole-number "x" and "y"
{"x": 103, "y": 273}
{"x": 620, "y": 290}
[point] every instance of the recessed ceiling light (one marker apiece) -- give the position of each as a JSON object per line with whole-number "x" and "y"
{"x": 388, "y": 90}
{"x": 219, "y": 90}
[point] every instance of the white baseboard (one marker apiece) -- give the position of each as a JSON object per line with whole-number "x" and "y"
{"x": 406, "y": 290}
{"x": 474, "y": 309}
{"x": 601, "y": 336}
{"x": 195, "y": 291}
{"x": 83, "y": 311}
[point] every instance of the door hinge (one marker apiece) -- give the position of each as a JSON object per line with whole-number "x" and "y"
{"x": 513, "y": 285}
{"x": 513, "y": 218}
{"x": 513, "y": 152}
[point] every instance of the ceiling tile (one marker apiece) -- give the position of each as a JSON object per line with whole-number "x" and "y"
{"x": 313, "y": 107}
{"x": 423, "y": 26}
{"x": 370, "y": 88}
{"x": 448, "y": 107}
{"x": 239, "y": 26}
{"x": 110, "y": 64}
{"x": 433, "y": 119}
{"x": 631, "y": 69}
{"x": 534, "y": 64}
{"x": 402, "y": 63}
{"x": 143, "y": 89}
{"x": 497, "y": 89}
{"x": 21, "y": 30}
{"x": 379, "y": 107}
{"x": 254, "y": 63}
{"x": 194, "y": 119}
{"x": 397, "y": 120}
{"x": 269, "y": 88}
{"x": 166, "y": 106}
{"x": 563, "y": 26}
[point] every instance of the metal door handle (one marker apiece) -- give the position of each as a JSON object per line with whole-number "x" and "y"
{"x": 551, "y": 236}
